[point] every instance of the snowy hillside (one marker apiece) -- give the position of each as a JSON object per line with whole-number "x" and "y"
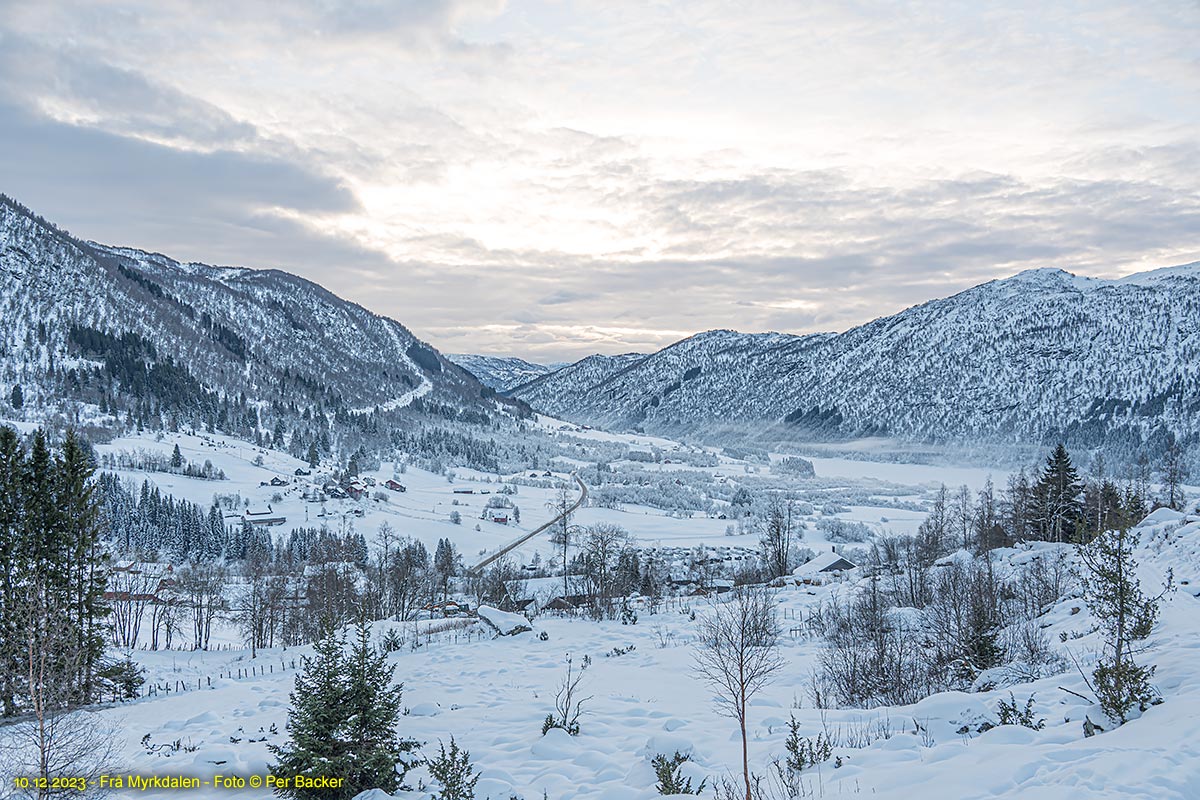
{"x": 87, "y": 323}
{"x": 591, "y": 371}
{"x": 1038, "y": 357}
{"x": 499, "y": 372}
{"x": 491, "y": 693}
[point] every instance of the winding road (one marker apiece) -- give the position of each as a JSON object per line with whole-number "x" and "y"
{"x": 513, "y": 545}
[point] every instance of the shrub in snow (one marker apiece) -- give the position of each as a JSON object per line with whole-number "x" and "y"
{"x": 568, "y": 704}
{"x": 667, "y": 770}
{"x": 1009, "y": 713}
{"x": 802, "y": 752}
{"x": 1121, "y": 686}
{"x": 454, "y": 773}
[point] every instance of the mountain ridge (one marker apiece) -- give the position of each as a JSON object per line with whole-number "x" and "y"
{"x": 122, "y": 330}
{"x": 1038, "y": 356}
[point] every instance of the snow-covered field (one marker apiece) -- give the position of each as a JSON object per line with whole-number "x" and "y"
{"x": 491, "y": 695}
{"x": 423, "y": 511}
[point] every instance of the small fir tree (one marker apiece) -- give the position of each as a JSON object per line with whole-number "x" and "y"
{"x": 343, "y": 720}
{"x": 1108, "y": 575}
{"x": 454, "y": 773}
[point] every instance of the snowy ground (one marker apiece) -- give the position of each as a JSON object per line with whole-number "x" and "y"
{"x": 492, "y": 694}
{"x": 423, "y": 512}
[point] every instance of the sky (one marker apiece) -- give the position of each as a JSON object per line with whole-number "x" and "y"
{"x": 554, "y": 178}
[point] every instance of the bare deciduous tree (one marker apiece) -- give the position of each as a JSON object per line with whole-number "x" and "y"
{"x": 203, "y": 587}
{"x": 738, "y": 655}
{"x": 568, "y": 704}
{"x": 56, "y": 739}
{"x": 132, "y": 591}
{"x": 601, "y": 544}
{"x": 563, "y": 532}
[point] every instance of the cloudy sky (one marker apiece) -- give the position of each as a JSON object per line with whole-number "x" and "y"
{"x": 554, "y": 178}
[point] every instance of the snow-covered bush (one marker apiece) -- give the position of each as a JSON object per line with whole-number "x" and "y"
{"x": 837, "y": 530}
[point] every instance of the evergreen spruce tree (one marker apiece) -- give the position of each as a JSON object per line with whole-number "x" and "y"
{"x": 1057, "y": 498}
{"x": 1173, "y": 475}
{"x": 316, "y": 718}
{"x": 453, "y": 771}
{"x": 374, "y": 708}
{"x": 17, "y": 398}
{"x": 13, "y": 555}
{"x": 314, "y": 457}
{"x": 343, "y": 720}
{"x": 176, "y": 458}
{"x": 85, "y": 578}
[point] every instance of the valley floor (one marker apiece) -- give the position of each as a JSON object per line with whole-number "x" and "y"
{"x": 491, "y": 695}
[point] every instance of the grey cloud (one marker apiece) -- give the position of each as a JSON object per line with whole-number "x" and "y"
{"x": 122, "y": 101}
{"x": 565, "y": 296}
{"x": 202, "y": 206}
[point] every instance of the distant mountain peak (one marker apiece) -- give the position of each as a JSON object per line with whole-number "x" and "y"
{"x": 1041, "y": 356}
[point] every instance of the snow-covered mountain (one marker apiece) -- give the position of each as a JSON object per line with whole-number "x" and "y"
{"x": 499, "y": 372}
{"x": 1041, "y": 356}
{"x": 593, "y": 370}
{"x": 145, "y": 334}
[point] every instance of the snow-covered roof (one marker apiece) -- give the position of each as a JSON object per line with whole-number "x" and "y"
{"x": 825, "y": 562}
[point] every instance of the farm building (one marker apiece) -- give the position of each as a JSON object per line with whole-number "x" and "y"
{"x": 825, "y": 566}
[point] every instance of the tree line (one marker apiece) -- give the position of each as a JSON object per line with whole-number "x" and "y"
{"x": 52, "y": 609}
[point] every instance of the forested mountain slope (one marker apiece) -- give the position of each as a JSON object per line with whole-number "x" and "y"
{"x": 1034, "y": 358}
{"x": 103, "y": 331}
{"x": 499, "y": 372}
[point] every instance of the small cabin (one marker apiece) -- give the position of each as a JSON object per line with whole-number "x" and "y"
{"x": 396, "y": 486}
{"x": 826, "y": 566}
